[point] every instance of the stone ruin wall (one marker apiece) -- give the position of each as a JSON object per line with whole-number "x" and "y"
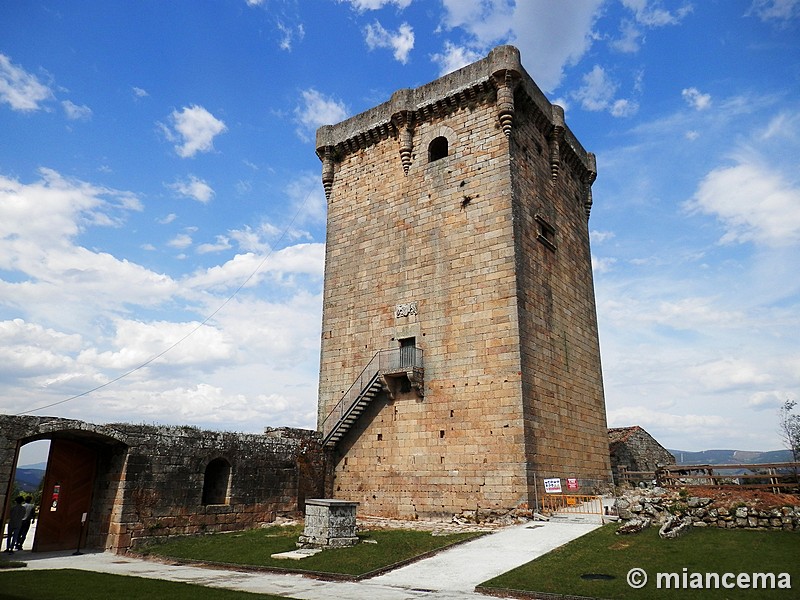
{"x": 658, "y": 506}
{"x": 639, "y": 451}
{"x": 149, "y": 480}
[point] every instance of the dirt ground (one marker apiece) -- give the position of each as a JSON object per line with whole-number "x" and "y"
{"x": 759, "y": 499}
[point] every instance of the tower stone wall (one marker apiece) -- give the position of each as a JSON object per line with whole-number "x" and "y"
{"x": 476, "y": 251}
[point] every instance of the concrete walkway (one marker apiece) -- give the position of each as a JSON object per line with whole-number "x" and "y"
{"x": 451, "y": 574}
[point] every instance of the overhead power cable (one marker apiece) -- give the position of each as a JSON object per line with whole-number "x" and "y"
{"x": 155, "y": 357}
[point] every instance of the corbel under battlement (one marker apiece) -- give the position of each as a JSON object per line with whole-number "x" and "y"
{"x": 499, "y": 76}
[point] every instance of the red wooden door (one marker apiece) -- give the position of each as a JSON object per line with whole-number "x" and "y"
{"x": 67, "y": 495}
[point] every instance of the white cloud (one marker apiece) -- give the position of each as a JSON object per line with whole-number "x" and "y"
{"x": 136, "y": 342}
{"x": 670, "y": 426}
{"x": 305, "y": 259}
{"x": 19, "y": 89}
{"x": 782, "y": 11}
{"x": 551, "y": 39}
{"x": 55, "y": 281}
{"x": 290, "y": 34}
{"x": 730, "y": 373}
{"x": 401, "y": 42}
{"x": 363, "y": 5}
{"x": 602, "y": 265}
{"x": 317, "y": 110}
{"x": 488, "y": 21}
{"x": 770, "y": 400}
{"x": 307, "y": 200}
{"x": 254, "y": 240}
{"x": 167, "y": 220}
{"x": 75, "y": 112}
{"x": 548, "y": 39}
{"x": 194, "y": 187}
{"x": 194, "y": 128}
{"x": 695, "y": 99}
{"x": 783, "y": 126}
{"x": 30, "y": 350}
{"x": 222, "y": 243}
{"x": 73, "y": 329}
{"x": 55, "y": 208}
{"x": 624, "y": 107}
{"x": 597, "y": 91}
{"x": 139, "y": 92}
{"x": 597, "y": 94}
{"x": 454, "y": 57}
{"x": 599, "y": 237}
{"x": 630, "y": 40}
{"x": 651, "y": 13}
{"x": 644, "y": 416}
{"x": 754, "y": 202}
{"x": 180, "y": 241}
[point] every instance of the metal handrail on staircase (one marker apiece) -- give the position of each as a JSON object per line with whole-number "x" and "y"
{"x": 394, "y": 360}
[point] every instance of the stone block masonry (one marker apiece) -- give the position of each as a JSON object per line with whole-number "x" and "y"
{"x": 149, "y": 482}
{"x": 467, "y": 198}
{"x": 329, "y": 524}
{"x": 722, "y": 512}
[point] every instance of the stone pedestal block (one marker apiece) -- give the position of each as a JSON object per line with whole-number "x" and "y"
{"x": 329, "y": 524}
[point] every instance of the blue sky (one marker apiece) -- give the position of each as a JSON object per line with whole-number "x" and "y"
{"x": 158, "y": 180}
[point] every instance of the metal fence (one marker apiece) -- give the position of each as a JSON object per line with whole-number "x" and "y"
{"x": 574, "y": 504}
{"x": 772, "y": 476}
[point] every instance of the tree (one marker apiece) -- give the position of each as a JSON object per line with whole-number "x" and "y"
{"x": 790, "y": 428}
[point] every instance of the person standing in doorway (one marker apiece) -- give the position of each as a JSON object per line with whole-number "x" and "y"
{"x": 26, "y": 521}
{"x": 15, "y": 516}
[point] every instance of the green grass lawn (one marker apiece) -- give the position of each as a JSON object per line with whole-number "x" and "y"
{"x": 70, "y": 584}
{"x": 254, "y": 548}
{"x": 707, "y": 550}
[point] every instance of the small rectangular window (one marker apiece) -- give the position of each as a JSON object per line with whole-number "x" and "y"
{"x": 546, "y": 233}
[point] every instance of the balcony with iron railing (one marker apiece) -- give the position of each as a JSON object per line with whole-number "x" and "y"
{"x": 391, "y": 370}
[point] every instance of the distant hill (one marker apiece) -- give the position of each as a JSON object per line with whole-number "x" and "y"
{"x": 41, "y": 465}
{"x": 728, "y": 457}
{"x": 29, "y": 479}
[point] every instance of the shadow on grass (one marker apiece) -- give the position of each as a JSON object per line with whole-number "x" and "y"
{"x": 597, "y": 564}
{"x": 386, "y": 549}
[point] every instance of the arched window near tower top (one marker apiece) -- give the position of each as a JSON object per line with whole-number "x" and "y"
{"x": 437, "y": 148}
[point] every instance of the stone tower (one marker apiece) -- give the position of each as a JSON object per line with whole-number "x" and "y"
{"x": 460, "y": 363}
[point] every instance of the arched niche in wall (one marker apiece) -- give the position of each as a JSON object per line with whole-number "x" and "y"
{"x": 216, "y": 482}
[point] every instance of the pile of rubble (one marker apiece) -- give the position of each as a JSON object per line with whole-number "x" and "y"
{"x": 677, "y": 510}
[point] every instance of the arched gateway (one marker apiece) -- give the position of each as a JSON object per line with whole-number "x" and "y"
{"x": 112, "y": 486}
